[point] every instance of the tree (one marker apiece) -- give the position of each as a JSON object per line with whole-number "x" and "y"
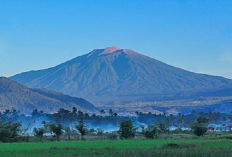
{"x": 74, "y": 113}
{"x": 9, "y": 131}
{"x": 151, "y": 132}
{"x": 102, "y": 111}
{"x": 99, "y": 132}
{"x": 111, "y": 112}
{"x": 48, "y": 127}
{"x": 34, "y": 113}
{"x": 202, "y": 120}
{"x": 74, "y": 110}
{"x": 81, "y": 127}
{"x": 64, "y": 114}
{"x": 163, "y": 128}
{"x": 10, "y": 116}
{"x": 57, "y": 130}
{"x": 9, "y": 127}
{"x": 126, "y": 129}
{"x": 68, "y": 132}
{"x": 200, "y": 127}
{"x": 115, "y": 114}
{"x": 39, "y": 132}
{"x": 80, "y": 113}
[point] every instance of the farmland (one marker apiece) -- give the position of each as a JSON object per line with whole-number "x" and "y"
{"x": 169, "y": 148}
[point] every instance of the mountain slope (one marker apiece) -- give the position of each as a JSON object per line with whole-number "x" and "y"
{"x": 21, "y": 98}
{"x": 114, "y": 75}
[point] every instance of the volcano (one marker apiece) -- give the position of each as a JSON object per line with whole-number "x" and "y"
{"x": 116, "y": 76}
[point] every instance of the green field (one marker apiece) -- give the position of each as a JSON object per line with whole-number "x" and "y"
{"x": 120, "y": 148}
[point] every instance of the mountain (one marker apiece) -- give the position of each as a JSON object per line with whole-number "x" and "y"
{"x": 15, "y": 95}
{"x": 113, "y": 75}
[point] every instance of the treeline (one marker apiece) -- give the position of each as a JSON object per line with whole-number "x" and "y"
{"x": 112, "y": 118}
{"x": 74, "y": 124}
{"x": 181, "y": 120}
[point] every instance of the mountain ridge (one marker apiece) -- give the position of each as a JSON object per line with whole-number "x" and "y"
{"x": 19, "y": 97}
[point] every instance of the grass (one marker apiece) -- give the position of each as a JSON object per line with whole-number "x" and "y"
{"x": 120, "y": 148}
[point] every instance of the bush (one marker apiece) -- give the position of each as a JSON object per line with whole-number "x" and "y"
{"x": 150, "y": 132}
{"x": 199, "y": 129}
{"x": 179, "y": 146}
{"x": 112, "y": 136}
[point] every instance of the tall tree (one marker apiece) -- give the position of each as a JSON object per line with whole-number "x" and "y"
{"x": 111, "y": 112}
{"x": 57, "y": 130}
{"x": 80, "y": 126}
{"x": 126, "y": 129}
{"x": 68, "y": 132}
{"x": 39, "y": 132}
{"x": 199, "y": 127}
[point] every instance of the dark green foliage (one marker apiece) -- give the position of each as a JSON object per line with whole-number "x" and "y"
{"x": 112, "y": 136}
{"x": 203, "y": 120}
{"x": 39, "y": 132}
{"x": 178, "y": 131}
{"x": 126, "y": 129}
{"x": 102, "y": 111}
{"x": 52, "y": 128}
{"x": 179, "y": 145}
{"x": 34, "y": 113}
{"x": 68, "y": 132}
{"x": 200, "y": 127}
{"x": 111, "y": 112}
{"x": 74, "y": 110}
{"x": 48, "y": 127}
{"x": 115, "y": 114}
{"x": 151, "y": 132}
{"x": 57, "y": 130}
{"x": 80, "y": 126}
{"x": 9, "y": 127}
{"x": 182, "y": 120}
{"x": 162, "y": 128}
{"x": 82, "y": 129}
{"x": 100, "y": 132}
{"x": 9, "y": 131}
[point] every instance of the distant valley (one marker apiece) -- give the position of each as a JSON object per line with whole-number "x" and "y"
{"x": 209, "y": 104}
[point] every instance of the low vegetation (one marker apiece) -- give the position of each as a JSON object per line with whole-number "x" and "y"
{"x": 122, "y": 148}
{"x": 78, "y": 139}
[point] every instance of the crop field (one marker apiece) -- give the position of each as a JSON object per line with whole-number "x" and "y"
{"x": 122, "y": 148}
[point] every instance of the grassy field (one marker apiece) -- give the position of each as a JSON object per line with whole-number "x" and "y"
{"x": 121, "y": 148}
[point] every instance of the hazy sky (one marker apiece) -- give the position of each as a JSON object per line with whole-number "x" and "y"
{"x": 191, "y": 34}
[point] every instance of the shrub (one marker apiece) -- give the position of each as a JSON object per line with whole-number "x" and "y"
{"x": 150, "y": 132}
{"x": 112, "y": 136}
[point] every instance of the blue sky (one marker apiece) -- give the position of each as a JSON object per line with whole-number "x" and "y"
{"x": 195, "y": 35}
